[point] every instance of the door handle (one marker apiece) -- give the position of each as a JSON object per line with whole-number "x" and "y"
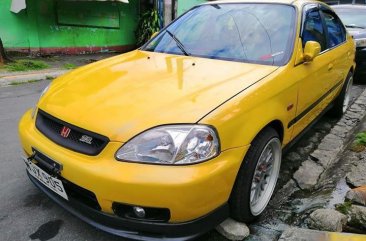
{"x": 330, "y": 67}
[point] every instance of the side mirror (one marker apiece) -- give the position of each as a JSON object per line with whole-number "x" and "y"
{"x": 153, "y": 35}
{"x": 312, "y": 49}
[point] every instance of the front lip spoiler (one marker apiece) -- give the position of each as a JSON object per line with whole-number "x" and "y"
{"x": 137, "y": 230}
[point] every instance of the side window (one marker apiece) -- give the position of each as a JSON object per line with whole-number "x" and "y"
{"x": 336, "y": 31}
{"x": 313, "y": 29}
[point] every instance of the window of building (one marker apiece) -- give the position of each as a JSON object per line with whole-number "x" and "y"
{"x": 88, "y": 14}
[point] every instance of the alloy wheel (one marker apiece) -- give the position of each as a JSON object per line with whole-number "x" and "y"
{"x": 347, "y": 97}
{"x": 265, "y": 176}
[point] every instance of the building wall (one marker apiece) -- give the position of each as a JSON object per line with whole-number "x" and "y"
{"x": 13, "y": 27}
{"x": 184, "y": 5}
{"x": 53, "y": 26}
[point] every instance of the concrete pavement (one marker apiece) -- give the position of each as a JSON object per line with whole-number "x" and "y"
{"x": 11, "y": 78}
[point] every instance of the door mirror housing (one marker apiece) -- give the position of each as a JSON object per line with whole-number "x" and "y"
{"x": 312, "y": 49}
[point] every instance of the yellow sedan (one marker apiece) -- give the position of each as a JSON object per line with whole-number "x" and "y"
{"x": 169, "y": 140}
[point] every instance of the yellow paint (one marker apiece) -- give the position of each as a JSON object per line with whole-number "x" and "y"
{"x": 188, "y": 191}
{"x": 344, "y": 237}
{"x": 315, "y": 235}
{"x": 125, "y": 95}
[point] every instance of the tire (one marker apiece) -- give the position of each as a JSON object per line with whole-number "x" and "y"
{"x": 242, "y": 199}
{"x": 342, "y": 102}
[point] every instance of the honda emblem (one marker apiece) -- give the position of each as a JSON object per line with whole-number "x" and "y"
{"x": 65, "y": 132}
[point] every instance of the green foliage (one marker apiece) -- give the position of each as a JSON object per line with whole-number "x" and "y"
{"x": 361, "y": 138}
{"x": 344, "y": 208}
{"x": 69, "y": 66}
{"x": 25, "y": 65}
{"x": 149, "y": 24}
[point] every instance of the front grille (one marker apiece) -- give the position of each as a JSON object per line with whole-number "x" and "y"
{"x": 74, "y": 138}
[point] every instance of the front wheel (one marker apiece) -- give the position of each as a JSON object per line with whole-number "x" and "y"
{"x": 257, "y": 177}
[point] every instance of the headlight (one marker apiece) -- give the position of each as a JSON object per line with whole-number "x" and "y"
{"x": 172, "y": 145}
{"x": 42, "y": 94}
{"x": 360, "y": 42}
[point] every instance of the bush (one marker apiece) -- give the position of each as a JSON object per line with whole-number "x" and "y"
{"x": 149, "y": 24}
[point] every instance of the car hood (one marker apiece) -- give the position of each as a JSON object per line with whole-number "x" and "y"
{"x": 127, "y": 94}
{"x": 357, "y": 33}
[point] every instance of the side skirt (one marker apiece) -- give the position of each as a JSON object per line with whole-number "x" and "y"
{"x": 303, "y": 132}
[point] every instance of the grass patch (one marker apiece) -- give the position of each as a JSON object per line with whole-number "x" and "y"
{"x": 14, "y": 83}
{"x": 361, "y": 138}
{"x": 359, "y": 145}
{"x": 69, "y": 66}
{"x": 344, "y": 208}
{"x": 26, "y": 65}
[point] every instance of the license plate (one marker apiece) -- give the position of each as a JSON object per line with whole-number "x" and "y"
{"x": 52, "y": 183}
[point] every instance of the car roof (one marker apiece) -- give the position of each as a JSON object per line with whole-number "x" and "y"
{"x": 355, "y": 6}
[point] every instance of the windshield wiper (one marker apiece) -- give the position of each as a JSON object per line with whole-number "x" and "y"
{"x": 179, "y": 43}
{"x": 354, "y": 26}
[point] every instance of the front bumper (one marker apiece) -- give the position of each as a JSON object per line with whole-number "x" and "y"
{"x": 134, "y": 230}
{"x": 194, "y": 194}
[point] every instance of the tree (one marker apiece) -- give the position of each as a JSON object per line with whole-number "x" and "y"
{"x": 3, "y": 57}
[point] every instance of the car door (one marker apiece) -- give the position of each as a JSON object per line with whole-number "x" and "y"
{"x": 339, "y": 53}
{"x": 315, "y": 77}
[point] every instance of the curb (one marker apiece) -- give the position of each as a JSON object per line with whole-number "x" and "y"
{"x": 33, "y": 76}
{"x": 331, "y": 146}
{"x": 299, "y": 234}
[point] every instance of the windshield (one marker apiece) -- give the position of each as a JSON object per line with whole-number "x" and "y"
{"x": 251, "y": 33}
{"x": 352, "y": 16}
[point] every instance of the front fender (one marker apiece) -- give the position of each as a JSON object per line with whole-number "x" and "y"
{"x": 239, "y": 120}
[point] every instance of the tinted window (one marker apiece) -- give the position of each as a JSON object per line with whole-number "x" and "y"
{"x": 336, "y": 31}
{"x": 252, "y": 33}
{"x": 313, "y": 29}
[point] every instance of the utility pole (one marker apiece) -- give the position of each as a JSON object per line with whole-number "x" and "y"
{"x": 168, "y": 11}
{"x": 2, "y": 61}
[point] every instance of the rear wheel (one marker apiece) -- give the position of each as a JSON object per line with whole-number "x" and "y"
{"x": 257, "y": 177}
{"x": 343, "y": 101}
